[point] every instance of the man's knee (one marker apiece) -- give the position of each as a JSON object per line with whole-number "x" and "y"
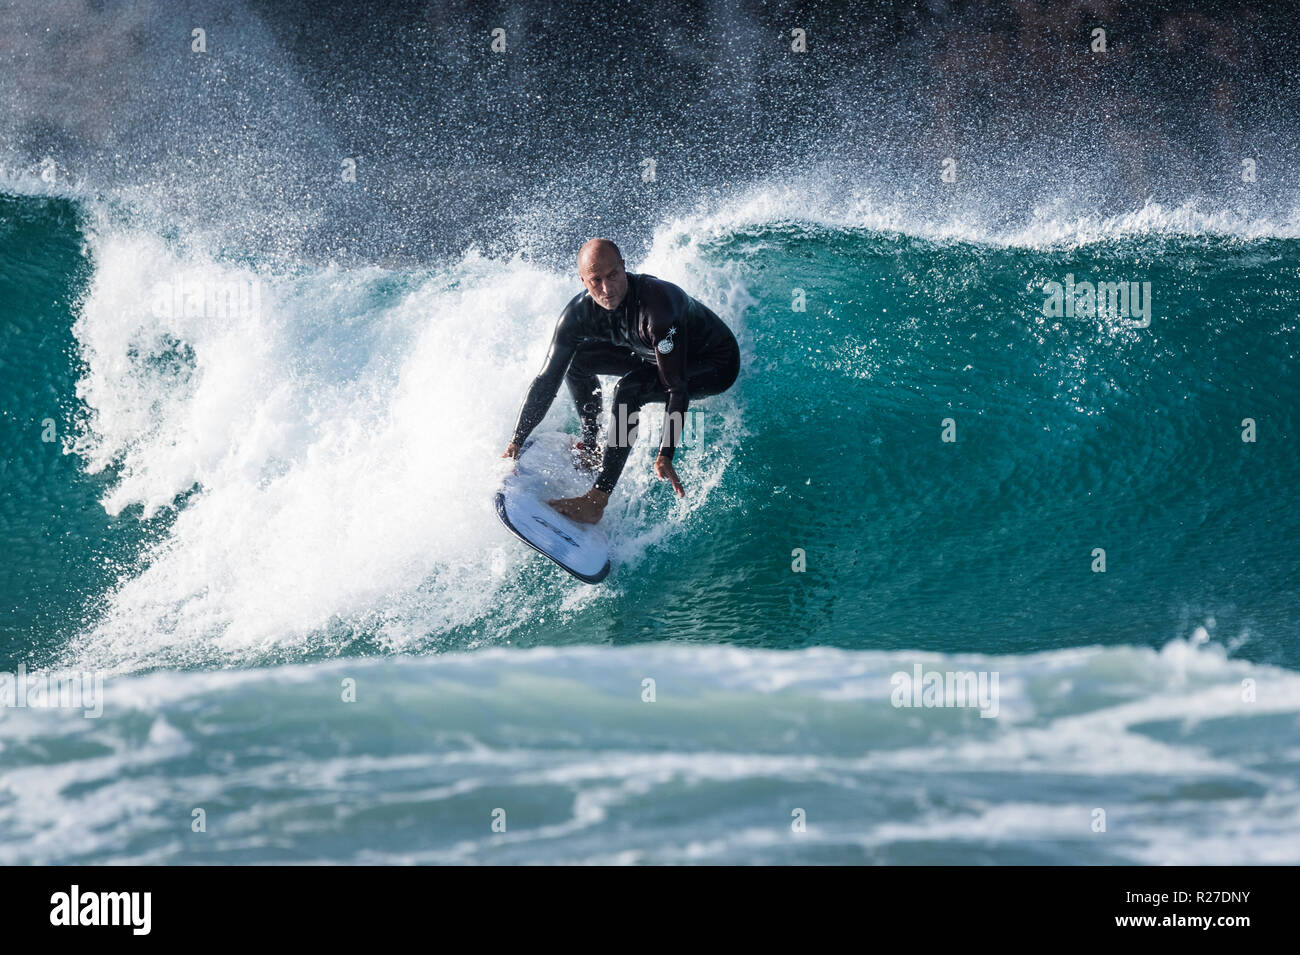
{"x": 583, "y": 385}
{"x": 630, "y": 396}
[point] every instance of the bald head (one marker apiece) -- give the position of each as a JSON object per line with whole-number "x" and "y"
{"x": 600, "y": 266}
{"x": 598, "y": 248}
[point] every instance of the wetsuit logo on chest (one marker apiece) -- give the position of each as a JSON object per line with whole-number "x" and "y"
{"x": 666, "y": 345}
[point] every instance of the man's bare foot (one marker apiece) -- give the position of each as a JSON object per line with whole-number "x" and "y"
{"x": 587, "y": 509}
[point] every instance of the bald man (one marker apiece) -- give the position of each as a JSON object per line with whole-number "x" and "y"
{"x": 664, "y": 345}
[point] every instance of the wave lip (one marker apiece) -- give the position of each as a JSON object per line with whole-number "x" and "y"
{"x": 1061, "y": 221}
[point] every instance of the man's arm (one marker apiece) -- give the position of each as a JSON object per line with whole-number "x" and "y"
{"x": 669, "y": 328}
{"x": 542, "y": 391}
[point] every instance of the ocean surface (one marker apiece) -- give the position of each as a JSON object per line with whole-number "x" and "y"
{"x": 252, "y": 413}
{"x": 240, "y": 512}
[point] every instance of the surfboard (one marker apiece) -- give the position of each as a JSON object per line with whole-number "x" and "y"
{"x": 545, "y": 470}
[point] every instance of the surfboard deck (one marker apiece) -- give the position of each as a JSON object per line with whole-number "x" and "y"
{"x": 545, "y": 470}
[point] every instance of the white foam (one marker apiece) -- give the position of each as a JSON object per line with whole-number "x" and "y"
{"x": 343, "y": 443}
{"x": 812, "y": 201}
{"x": 734, "y": 733}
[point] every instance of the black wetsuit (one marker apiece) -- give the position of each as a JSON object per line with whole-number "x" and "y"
{"x": 666, "y": 346}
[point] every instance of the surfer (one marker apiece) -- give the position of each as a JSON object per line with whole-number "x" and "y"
{"x": 665, "y": 345}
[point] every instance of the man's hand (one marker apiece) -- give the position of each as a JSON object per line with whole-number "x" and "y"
{"x": 586, "y": 509}
{"x": 512, "y": 451}
{"x": 664, "y": 471}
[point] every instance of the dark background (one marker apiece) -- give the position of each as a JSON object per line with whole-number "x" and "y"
{"x": 533, "y": 149}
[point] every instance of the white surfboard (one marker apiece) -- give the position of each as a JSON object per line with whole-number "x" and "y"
{"x": 545, "y": 470}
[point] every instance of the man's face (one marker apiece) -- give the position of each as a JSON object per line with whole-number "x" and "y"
{"x": 603, "y": 275}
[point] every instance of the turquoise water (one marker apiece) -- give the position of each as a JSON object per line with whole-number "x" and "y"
{"x": 1071, "y": 434}
{"x": 300, "y": 493}
{"x": 712, "y": 771}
